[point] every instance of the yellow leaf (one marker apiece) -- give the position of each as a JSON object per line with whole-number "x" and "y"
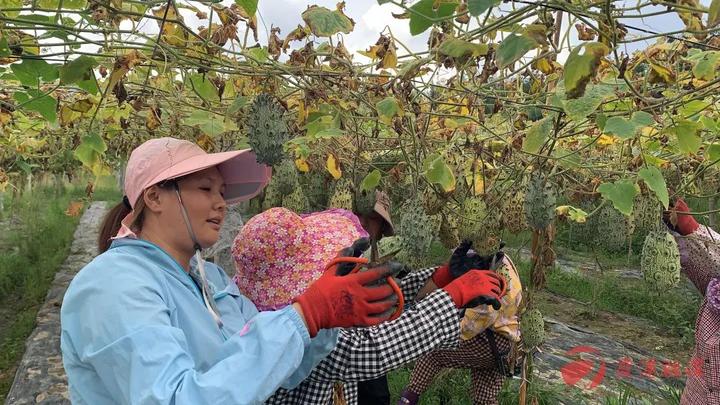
{"x": 68, "y": 116}
{"x": 4, "y": 118}
{"x": 606, "y": 140}
{"x": 390, "y": 59}
{"x": 74, "y": 208}
{"x": 661, "y": 74}
{"x": 450, "y": 123}
{"x": 333, "y": 167}
{"x": 371, "y": 52}
{"x": 649, "y": 131}
{"x": 152, "y": 120}
{"x": 479, "y": 187}
{"x": 544, "y": 66}
{"x": 302, "y": 165}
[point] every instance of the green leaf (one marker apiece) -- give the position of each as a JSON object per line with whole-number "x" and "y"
{"x": 388, "y": 108}
{"x": 574, "y": 214}
{"x": 77, "y": 69}
{"x": 438, "y": 172}
{"x": 513, "y": 48}
{"x": 237, "y": 104}
{"x": 580, "y": 108}
{"x": 87, "y": 155}
{"x": 35, "y": 100}
{"x": 4, "y": 47}
{"x": 211, "y": 124}
{"x": 687, "y": 133}
{"x": 423, "y": 15}
{"x": 95, "y": 141}
{"x": 7, "y": 4}
{"x": 710, "y": 124}
{"x": 318, "y": 123}
{"x": 31, "y": 71}
{"x": 538, "y": 134}
{"x": 250, "y": 6}
{"x": 89, "y": 85}
{"x": 371, "y": 181}
{"x": 90, "y": 152}
{"x": 692, "y": 108}
{"x": 579, "y": 69}
{"x": 258, "y": 54}
{"x": 329, "y": 133}
{"x": 621, "y": 127}
{"x": 75, "y": 4}
{"x": 203, "y": 87}
{"x": 567, "y": 159}
{"x": 458, "y": 48}
{"x": 324, "y": 22}
{"x": 477, "y": 7}
{"x": 714, "y": 13}
{"x": 642, "y": 119}
{"x": 713, "y": 153}
{"x": 706, "y": 66}
{"x": 621, "y": 193}
{"x": 654, "y": 179}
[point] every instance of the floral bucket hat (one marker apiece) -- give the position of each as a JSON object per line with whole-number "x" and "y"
{"x": 278, "y": 253}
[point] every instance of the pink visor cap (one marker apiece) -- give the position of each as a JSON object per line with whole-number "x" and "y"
{"x": 157, "y": 160}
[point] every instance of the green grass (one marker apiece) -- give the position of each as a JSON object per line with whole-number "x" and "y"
{"x": 453, "y": 386}
{"x": 674, "y": 310}
{"x": 36, "y": 247}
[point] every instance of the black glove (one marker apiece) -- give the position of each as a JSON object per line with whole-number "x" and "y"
{"x": 355, "y": 250}
{"x": 461, "y": 262}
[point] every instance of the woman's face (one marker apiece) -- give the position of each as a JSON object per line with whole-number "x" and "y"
{"x": 202, "y": 195}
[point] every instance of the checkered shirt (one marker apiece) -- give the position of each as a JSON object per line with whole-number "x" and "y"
{"x": 366, "y": 353}
{"x": 700, "y": 259}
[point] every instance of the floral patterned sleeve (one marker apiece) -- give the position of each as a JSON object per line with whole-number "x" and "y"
{"x": 700, "y": 256}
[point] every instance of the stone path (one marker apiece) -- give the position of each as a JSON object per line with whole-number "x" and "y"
{"x": 40, "y": 378}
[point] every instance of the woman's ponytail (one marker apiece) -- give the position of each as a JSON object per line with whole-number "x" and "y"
{"x": 111, "y": 224}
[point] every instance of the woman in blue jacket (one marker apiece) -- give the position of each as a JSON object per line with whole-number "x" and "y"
{"x": 149, "y": 322}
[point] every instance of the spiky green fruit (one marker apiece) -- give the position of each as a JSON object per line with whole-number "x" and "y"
{"x": 612, "y": 229}
{"x": 272, "y": 197}
{"x": 513, "y": 215}
{"x": 342, "y": 196}
{"x": 286, "y": 176}
{"x": 296, "y": 201}
{"x": 364, "y": 202}
{"x": 267, "y": 129}
{"x": 448, "y": 233}
{"x": 532, "y": 328}
{"x": 416, "y": 228}
{"x": 432, "y": 203}
{"x": 480, "y": 225}
{"x": 315, "y": 186}
{"x": 647, "y": 215}
{"x": 539, "y": 204}
{"x": 660, "y": 260}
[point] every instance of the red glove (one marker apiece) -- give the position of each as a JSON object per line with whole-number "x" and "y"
{"x": 346, "y": 301}
{"x": 686, "y": 224}
{"x": 442, "y": 276}
{"x": 477, "y": 287}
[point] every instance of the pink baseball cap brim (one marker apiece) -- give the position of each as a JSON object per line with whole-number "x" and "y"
{"x": 244, "y": 177}
{"x": 161, "y": 159}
